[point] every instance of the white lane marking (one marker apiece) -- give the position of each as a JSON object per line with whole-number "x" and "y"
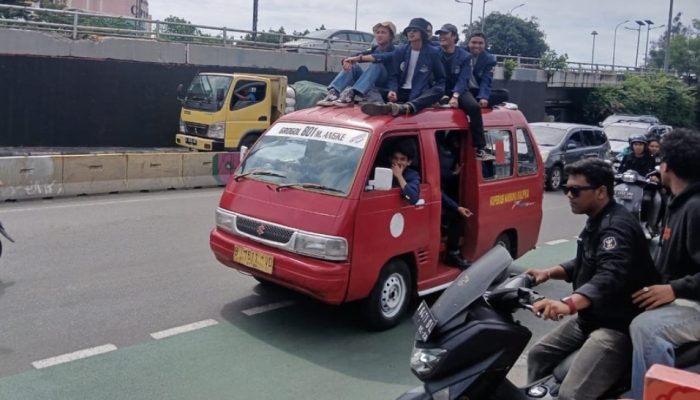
{"x": 267, "y": 307}
{"x": 558, "y": 241}
{"x": 77, "y": 355}
{"x": 42, "y": 205}
{"x": 184, "y": 328}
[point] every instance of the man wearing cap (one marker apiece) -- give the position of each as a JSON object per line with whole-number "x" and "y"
{"x": 352, "y": 82}
{"x": 418, "y": 78}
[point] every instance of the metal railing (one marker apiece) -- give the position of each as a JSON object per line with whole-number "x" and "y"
{"x": 81, "y": 25}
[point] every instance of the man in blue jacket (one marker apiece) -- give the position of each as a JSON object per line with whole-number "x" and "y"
{"x": 405, "y": 177}
{"x": 418, "y": 79}
{"x": 672, "y": 316}
{"x": 352, "y": 82}
{"x": 480, "y": 94}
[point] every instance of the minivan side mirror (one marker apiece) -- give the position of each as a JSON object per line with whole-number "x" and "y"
{"x": 571, "y": 146}
{"x": 180, "y": 92}
{"x": 382, "y": 179}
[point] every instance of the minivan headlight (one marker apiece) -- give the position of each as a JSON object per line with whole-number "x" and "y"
{"x": 325, "y": 247}
{"x": 424, "y": 361}
{"x": 225, "y": 220}
{"x": 217, "y": 130}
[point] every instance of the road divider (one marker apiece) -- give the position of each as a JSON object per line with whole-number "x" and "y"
{"x": 30, "y": 177}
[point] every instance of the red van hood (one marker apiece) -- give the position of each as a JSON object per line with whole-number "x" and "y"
{"x": 300, "y": 209}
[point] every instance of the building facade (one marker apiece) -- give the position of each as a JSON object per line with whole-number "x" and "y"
{"x": 121, "y": 8}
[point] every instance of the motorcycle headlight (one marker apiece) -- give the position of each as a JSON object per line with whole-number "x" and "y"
{"x": 629, "y": 177}
{"x": 424, "y": 361}
{"x": 225, "y": 220}
{"x": 325, "y": 247}
{"x": 217, "y": 130}
{"x": 183, "y": 128}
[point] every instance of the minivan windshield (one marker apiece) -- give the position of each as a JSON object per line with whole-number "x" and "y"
{"x": 202, "y": 93}
{"x": 306, "y": 156}
{"x": 623, "y": 133}
{"x": 547, "y": 136}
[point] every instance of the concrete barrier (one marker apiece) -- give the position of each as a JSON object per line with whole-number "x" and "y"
{"x": 666, "y": 383}
{"x": 31, "y": 177}
{"x": 198, "y": 170}
{"x": 94, "y": 173}
{"x": 154, "y": 171}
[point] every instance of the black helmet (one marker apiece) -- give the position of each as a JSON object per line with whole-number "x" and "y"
{"x": 638, "y": 139}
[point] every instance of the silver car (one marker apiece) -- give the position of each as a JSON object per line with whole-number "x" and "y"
{"x": 340, "y": 41}
{"x": 561, "y": 144}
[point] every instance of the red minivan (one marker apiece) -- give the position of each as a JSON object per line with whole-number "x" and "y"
{"x": 309, "y": 207}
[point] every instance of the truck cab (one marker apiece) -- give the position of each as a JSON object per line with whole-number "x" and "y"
{"x": 225, "y": 111}
{"x": 304, "y": 209}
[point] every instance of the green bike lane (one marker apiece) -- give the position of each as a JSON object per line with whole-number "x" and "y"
{"x": 305, "y": 351}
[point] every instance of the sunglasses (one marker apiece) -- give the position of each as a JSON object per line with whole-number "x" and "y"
{"x": 576, "y": 190}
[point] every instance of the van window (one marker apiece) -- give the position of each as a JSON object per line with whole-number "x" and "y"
{"x": 389, "y": 144}
{"x": 246, "y": 93}
{"x": 498, "y": 141}
{"x": 576, "y": 139}
{"x": 355, "y": 37}
{"x": 527, "y": 163}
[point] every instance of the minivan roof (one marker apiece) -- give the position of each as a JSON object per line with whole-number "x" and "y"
{"x": 565, "y": 125}
{"x": 353, "y": 117}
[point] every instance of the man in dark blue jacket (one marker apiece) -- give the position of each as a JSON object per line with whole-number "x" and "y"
{"x": 672, "y": 316}
{"x": 405, "y": 177}
{"x": 480, "y": 94}
{"x": 352, "y": 81}
{"x": 418, "y": 79}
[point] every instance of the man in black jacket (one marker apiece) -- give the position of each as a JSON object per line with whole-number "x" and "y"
{"x": 639, "y": 159}
{"x": 673, "y": 308}
{"x": 612, "y": 262}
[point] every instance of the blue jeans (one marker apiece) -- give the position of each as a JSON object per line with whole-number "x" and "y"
{"x": 361, "y": 81}
{"x": 657, "y": 333}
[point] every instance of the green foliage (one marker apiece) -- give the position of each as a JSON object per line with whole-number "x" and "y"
{"x": 183, "y": 27}
{"x": 508, "y": 67}
{"x": 662, "y": 95}
{"x": 551, "y": 62}
{"x": 510, "y": 35}
{"x": 684, "y": 54}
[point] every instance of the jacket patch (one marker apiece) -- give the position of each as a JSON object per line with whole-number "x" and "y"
{"x": 609, "y": 243}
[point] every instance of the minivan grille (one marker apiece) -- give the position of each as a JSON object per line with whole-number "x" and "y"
{"x": 263, "y": 230}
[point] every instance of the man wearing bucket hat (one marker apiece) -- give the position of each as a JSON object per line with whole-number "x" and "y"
{"x": 352, "y": 83}
{"x": 418, "y": 78}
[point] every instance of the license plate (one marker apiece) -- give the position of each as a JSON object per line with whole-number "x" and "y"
{"x": 253, "y": 259}
{"x": 624, "y": 195}
{"x": 425, "y": 322}
{"x": 191, "y": 141}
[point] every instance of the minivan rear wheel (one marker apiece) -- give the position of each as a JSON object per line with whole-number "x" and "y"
{"x": 554, "y": 178}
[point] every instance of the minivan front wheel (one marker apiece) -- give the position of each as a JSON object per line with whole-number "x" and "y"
{"x": 389, "y": 298}
{"x": 554, "y": 178}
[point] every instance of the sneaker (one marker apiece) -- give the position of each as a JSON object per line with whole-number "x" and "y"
{"x": 345, "y": 99}
{"x": 456, "y": 260}
{"x": 360, "y": 99}
{"x": 484, "y": 155}
{"x": 379, "y": 109}
{"x": 331, "y": 96}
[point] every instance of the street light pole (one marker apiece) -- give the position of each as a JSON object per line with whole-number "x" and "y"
{"x": 471, "y": 11}
{"x": 255, "y": 19}
{"x": 594, "y": 33}
{"x": 483, "y": 16}
{"x": 518, "y": 6}
{"x": 615, "y": 41}
{"x": 646, "y": 48}
{"x": 356, "y": 1}
{"x": 639, "y": 32}
{"x": 668, "y": 37}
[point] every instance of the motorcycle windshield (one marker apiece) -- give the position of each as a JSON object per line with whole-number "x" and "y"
{"x": 471, "y": 284}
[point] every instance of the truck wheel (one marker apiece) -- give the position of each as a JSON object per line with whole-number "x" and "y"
{"x": 248, "y": 141}
{"x": 554, "y": 178}
{"x": 390, "y": 298}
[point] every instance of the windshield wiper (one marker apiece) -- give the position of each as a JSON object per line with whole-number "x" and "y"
{"x": 309, "y": 186}
{"x": 262, "y": 172}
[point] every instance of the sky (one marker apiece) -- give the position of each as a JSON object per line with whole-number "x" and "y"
{"x": 567, "y": 23}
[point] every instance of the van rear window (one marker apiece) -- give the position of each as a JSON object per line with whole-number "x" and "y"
{"x": 499, "y": 143}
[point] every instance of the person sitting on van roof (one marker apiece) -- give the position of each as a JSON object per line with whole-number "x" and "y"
{"x": 354, "y": 84}
{"x": 418, "y": 78}
{"x": 405, "y": 177}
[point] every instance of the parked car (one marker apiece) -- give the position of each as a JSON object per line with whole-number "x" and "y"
{"x": 618, "y": 133}
{"x": 650, "y": 119}
{"x": 561, "y": 144}
{"x": 336, "y": 40}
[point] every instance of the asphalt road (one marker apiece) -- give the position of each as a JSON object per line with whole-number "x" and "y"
{"x": 112, "y": 270}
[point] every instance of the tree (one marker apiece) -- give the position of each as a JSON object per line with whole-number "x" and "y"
{"x": 182, "y": 27}
{"x": 552, "y": 62}
{"x": 663, "y": 95}
{"x": 510, "y": 35}
{"x": 684, "y": 54}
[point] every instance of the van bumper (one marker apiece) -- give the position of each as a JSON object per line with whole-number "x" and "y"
{"x": 198, "y": 143}
{"x": 323, "y": 280}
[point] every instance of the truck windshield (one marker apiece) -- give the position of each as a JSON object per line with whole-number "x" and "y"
{"x": 202, "y": 93}
{"x": 307, "y": 157}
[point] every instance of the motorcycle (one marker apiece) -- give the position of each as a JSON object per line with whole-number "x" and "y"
{"x": 468, "y": 340}
{"x": 3, "y": 232}
{"x": 643, "y": 197}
